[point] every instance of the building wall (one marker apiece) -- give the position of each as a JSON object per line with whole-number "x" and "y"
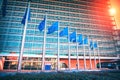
{"x": 81, "y": 63}
{"x": 80, "y": 16}
{"x": 117, "y": 40}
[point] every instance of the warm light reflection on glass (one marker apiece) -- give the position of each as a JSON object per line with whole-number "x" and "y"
{"x": 112, "y": 11}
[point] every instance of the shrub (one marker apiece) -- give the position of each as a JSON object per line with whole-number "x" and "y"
{"x": 64, "y": 76}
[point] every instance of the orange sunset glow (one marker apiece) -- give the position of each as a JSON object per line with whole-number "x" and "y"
{"x": 115, "y": 4}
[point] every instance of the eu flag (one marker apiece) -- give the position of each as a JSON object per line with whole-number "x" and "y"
{"x": 95, "y": 44}
{"x": 85, "y": 40}
{"x": 80, "y": 39}
{"x": 73, "y": 37}
{"x": 91, "y": 45}
{"x": 42, "y": 24}
{"x": 64, "y": 32}
{"x": 25, "y": 15}
{"x": 4, "y": 6}
{"x": 53, "y": 28}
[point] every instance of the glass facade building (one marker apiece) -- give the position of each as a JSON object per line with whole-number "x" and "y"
{"x": 88, "y": 17}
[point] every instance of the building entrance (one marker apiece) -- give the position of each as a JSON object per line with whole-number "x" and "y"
{"x": 29, "y": 63}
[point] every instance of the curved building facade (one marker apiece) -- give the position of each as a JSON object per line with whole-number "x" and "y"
{"x": 87, "y": 17}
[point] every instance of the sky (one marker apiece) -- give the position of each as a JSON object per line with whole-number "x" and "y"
{"x": 116, "y": 5}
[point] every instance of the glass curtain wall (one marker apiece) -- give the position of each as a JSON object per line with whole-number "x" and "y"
{"x": 87, "y": 17}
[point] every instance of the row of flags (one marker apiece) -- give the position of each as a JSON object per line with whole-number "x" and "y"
{"x": 65, "y": 32}
{"x": 53, "y": 28}
{"x": 82, "y": 40}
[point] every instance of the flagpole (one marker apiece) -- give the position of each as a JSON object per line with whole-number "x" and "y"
{"x": 77, "y": 65}
{"x": 90, "y": 55}
{"x": 77, "y": 53}
{"x": 23, "y": 40}
{"x": 99, "y": 56}
{"x": 84, "y": 56}
{"x": 69, "y": 60}
{"x": 44, "y": 46}
{"x": 94, "y": 56}
{"x": 58, "y": 58}
{"x": 77, "y": 57}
